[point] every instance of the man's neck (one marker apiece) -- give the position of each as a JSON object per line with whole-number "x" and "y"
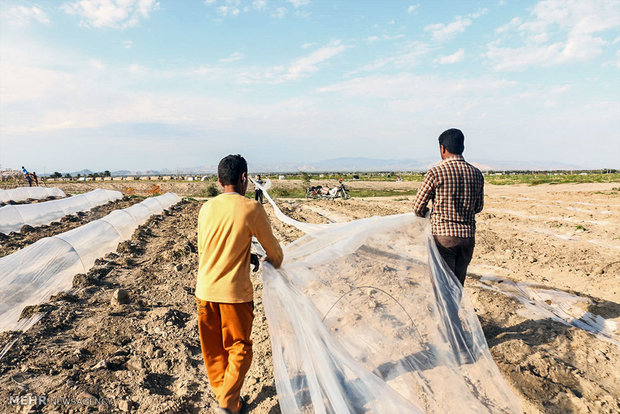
{"x": 447, "y": 155}
{"x": 231, "y": 189}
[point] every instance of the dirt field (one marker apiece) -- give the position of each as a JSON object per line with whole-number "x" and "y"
{"x": 145, "y": 356}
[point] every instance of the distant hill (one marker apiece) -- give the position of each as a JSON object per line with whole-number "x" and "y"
{"x": 355, "y": 164}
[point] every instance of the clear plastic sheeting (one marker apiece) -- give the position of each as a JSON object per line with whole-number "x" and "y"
{"x": 548, "y": 303}
{"x": 33, "y": 274}
{"x": 29, "y": 193}
{"x": 13, "y": 217}
{"x": 365, "y": 317}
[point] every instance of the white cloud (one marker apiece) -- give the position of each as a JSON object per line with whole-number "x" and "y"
{"x": 375, "y": 38}
{"x": 308, "y": 64}
{"x": 557, "y": 32}
{"x": 232, "y": 58}
{"x": 299, "y": 3}
{"x": 228, "y": 10}
{"x": 479, "y": 13}
{"x": 514, "y": 23}
{"x": 127, "y": 44}
{"x": 23, "y": 15}
{"x": 456, "y": 57}
{"x": 136, "y": 69}
{"x": 408, "y": 56}
{"x": 97, "y": 64}
{"x": 259, "y": 4}
{"x": 441, "y": 31}
{"x": 406, "y": 85}
{"x": 279, "y": 12}
{"x": 210, "y": 2}
{"x": 307, "y": 45}
{"x": 413, "y": 8}
{"x": 119, "y": 14}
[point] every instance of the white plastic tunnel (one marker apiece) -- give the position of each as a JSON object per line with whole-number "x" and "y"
{"x": 33, "y": 274}
{"x": 26, "y": 193}
{"x": 13, "y": 217}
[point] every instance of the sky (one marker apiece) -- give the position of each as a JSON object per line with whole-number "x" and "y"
{"x": 153, "y": 84}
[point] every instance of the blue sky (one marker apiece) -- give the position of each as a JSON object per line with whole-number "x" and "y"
{"x": 146, "y": 84}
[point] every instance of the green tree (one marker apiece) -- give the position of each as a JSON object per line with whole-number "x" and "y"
{"x": 305, "y": 178}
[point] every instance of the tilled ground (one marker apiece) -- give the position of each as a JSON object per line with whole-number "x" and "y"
{"x": 145, "y": 356}
{"x": 28, "y": 234}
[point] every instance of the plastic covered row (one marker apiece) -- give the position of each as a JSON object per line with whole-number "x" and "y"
{"x": 29, "y": 193}
{"x": 33, "y": 274}
{"x": 13, "y": 217}
{"x": 365, "y": 317}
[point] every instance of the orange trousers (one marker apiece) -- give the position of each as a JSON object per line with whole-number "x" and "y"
{"x": 225, "y": 330}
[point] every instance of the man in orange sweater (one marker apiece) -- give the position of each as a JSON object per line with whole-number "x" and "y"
{"x": 224, "y": 292}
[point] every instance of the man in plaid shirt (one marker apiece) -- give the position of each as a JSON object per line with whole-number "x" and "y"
{"x": 456, "y": 188}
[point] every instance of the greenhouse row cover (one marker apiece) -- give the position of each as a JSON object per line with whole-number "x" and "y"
{"x": 13, "y": 217}
{"x": 33, "y": 274}
{"x": 365, "y": 317}
{"x": 29, "y": 193}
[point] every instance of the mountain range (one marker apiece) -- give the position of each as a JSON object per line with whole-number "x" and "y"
{"x": 353, "y": 164}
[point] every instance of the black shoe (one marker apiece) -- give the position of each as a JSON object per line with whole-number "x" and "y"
{"x": 245, "y": 407}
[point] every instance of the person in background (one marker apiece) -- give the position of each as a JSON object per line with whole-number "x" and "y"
{"x": 258, "y": 193}
{"x": 35, "y": 178}
{"x": 224, "y": 292}
{"x": 29, "y": 179}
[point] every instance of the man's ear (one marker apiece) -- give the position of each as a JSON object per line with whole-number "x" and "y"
{"x": 220, "y": 182}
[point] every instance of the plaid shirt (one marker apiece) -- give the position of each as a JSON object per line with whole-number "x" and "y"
{"x": 456, "y": 188}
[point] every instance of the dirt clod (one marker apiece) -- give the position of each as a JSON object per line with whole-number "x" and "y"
{"x": 120, "y": 297}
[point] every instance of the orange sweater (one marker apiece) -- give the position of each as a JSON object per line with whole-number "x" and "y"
{"x": 226, "y": 225}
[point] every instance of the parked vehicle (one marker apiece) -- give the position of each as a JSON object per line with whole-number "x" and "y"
{"x": 318, "y": 191}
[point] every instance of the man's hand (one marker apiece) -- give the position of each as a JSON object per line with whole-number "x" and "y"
{"x": 423, "y": 212}
{"x": 254, "y": 261}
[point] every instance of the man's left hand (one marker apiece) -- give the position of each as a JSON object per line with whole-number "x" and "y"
{"x": 254, "y": 261}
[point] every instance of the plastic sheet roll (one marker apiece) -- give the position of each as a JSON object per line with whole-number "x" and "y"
{"x": 33, "y": 274}
{"x": 25, "y": 193}
{"x": 365, "y": 317}
{"x": 13, "y": 217}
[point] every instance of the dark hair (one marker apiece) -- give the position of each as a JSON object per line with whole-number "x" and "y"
{"x": 230, "y": 169}
{"x": 453, "y": 140}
